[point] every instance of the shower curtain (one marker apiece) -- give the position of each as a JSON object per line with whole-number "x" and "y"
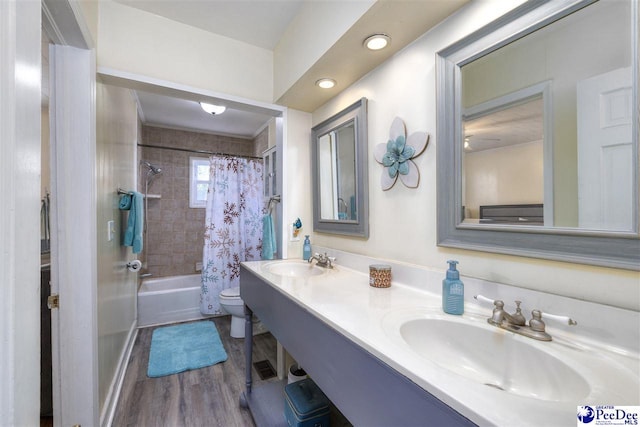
{"x": 233, "y": 225}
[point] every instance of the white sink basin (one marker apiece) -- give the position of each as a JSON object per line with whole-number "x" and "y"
{"x": 493, "y": 357}
{"x": 294, "y": 269}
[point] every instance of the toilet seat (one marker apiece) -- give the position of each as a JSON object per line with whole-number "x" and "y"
{"x": 231, "y": 297}
{"x": 230, "y": 293}
{"x": 232, "y": 304}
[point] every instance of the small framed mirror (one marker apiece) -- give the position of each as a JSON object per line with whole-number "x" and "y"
{"x": 339, "y": 167}
{"x": 538, "y": 134}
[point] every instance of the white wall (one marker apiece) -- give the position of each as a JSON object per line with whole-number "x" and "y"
{"x": 116, "y": 136}
{"x": 312, "y": 32}
{"x": 403, "y": 221}
{"x": 142, "y": 43}
{"x": 557, "y": 54}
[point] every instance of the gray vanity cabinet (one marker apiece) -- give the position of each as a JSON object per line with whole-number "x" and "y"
{"x": 365, "y": 389}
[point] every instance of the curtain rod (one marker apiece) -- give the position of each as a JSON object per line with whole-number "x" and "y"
{"x": 188, "y": 150}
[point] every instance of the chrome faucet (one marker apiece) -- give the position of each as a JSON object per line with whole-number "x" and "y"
{"x": 500, "y": 315}
{"x": 322, "y": 260}
{"x": 517, "y": 323}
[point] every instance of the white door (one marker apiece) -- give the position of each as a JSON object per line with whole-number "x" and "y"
{"x": 605, "y": 152}
{"x": 73, "y": 236}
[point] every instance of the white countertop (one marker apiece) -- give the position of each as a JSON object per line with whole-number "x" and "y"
{"x": 342, "y": 298}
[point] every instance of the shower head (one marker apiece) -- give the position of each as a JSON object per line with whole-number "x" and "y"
{"x": 153, "y": 170}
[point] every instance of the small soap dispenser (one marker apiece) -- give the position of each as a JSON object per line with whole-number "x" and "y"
{"x": 452, "y": 291}
{"x": 306, "y": 248}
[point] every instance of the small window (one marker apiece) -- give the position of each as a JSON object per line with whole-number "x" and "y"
{"x": 198, "y": 181}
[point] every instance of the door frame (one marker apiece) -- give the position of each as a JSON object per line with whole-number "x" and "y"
{"x": 73, "y": 214}
{"x": 74, "y": 237}
{"x": 145, "y": 83}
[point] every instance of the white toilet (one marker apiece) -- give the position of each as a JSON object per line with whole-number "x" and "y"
{"x": 232, "y": 304}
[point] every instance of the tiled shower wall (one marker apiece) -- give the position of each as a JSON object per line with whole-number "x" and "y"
{"x": 175, "y": 232}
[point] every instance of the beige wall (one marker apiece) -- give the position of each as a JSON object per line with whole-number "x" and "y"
{"x": 89, "y": 9}
{"x": 175, "y": 232}
{"x": 503, "y": 176}
{"x": 403, "y": 220}
{"x": 45, "y": 182}
{"x": 116, "y": 134}
{"x": 297, "y": 179}
{"x": 138, "y": 42}
{"x": 261, "y": 142}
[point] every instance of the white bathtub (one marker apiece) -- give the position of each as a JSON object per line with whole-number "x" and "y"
{"x": 169, "y": 299}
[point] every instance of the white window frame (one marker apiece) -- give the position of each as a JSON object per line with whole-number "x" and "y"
{"x": 194, "y": 162}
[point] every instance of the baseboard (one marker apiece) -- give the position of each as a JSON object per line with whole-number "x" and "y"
{"x": 111, "y": 401}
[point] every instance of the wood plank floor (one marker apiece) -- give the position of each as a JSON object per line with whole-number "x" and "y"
{"x": 203, "y": 397}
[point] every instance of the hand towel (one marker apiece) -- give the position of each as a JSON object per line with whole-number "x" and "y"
{"x": 269, "y": 245}
{"x": 135, "y": 224}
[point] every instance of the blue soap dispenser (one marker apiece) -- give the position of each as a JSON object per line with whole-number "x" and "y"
{"x": 452, "y": 291}
{"x": 306, "y": 248}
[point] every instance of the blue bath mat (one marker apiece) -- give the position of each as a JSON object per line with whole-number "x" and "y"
{"x": 184, "y": 347}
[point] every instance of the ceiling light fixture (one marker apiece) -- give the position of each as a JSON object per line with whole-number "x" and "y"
{"x": 377, "y": 41}
{"x": 326, "y": 83}
{"x": 213, "y": 109}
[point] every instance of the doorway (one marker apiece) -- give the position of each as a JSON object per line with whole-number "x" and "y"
{"x": 71, "y": 111}
{"x": 46, "y": 399}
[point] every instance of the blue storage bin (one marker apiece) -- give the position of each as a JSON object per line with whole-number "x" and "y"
{"x": 306, "y": 405}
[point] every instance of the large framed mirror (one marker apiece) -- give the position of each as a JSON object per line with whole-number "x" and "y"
{"x": 538, "y": 134}
{"x": 339, "y": 166}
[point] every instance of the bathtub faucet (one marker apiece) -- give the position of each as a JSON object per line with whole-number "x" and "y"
{"x": 322, "y": 260}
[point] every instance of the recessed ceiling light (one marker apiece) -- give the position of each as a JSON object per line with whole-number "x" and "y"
{"x": 377, "y": 41}
{"x": 326, "y": 83}
{"x": 213, "y": 109}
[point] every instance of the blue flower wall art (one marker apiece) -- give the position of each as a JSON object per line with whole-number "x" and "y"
{"x": 397, "y": 153}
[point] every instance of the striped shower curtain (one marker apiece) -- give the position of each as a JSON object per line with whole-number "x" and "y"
{"x": 233, "y": 225}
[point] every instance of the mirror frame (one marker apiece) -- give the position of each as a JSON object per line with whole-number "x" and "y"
{"x": 593, "y": 247}
{"x": 356, "y": 112}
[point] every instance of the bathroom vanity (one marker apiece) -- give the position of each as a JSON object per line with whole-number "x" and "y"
{"x": 365, "y": 389}
{"x": 389, "y": 356}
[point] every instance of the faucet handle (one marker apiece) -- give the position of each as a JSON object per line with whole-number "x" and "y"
{"x": 482, "y": 298}
{"x": 563, "y": 319}
{"x": 536, "y": 322}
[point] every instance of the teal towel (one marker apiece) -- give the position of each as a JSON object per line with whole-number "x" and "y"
{"x": 125, "y": 202}
{"x": 135, "y": 224}
{"x": 269, "y": 245}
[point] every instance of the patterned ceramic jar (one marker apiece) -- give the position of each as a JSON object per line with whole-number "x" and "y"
{"x": 380, "y": 275}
